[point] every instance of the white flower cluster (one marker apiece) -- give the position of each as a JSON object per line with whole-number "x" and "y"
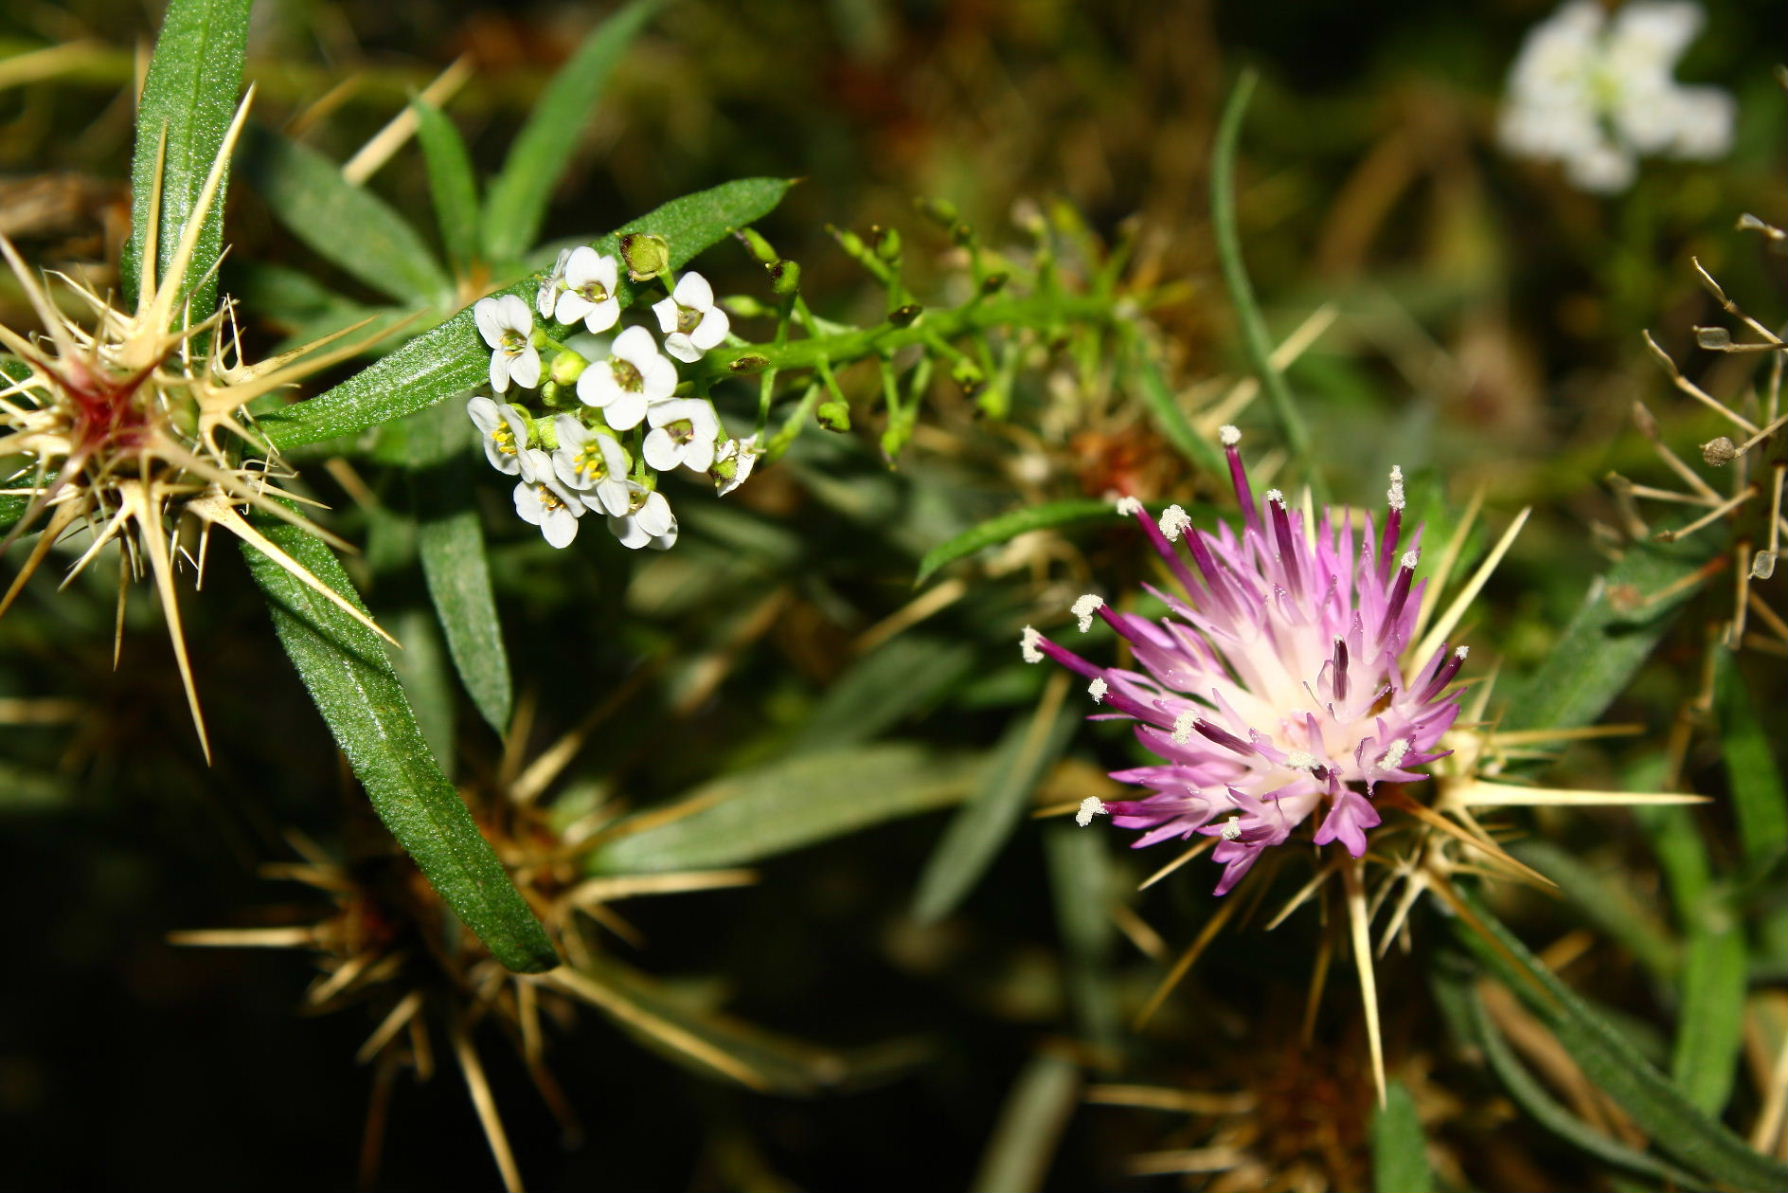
{"x": 1597, "y": 93}
{"x": 570, "y": 464}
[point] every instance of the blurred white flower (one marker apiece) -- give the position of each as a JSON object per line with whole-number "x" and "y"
{"x": 589, "y": 291}
{"x": 505, "y": 430}
{"x": 633, "y": 376}
{"x": 683, "y": 432}
{"x": 508, "y": 327}
{"x": 1596, "y": 93}
{"x": 648, "y": 522}
{"x": 594, "y": 461}
{"x": 691, "y": 322}
{"x": 544, "y": 502}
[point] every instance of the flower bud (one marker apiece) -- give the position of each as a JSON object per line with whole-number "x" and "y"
{"x": 646, "y": 255}
{"x": 887, "y": 243}
{"x": 757, "y": 246}
{"x": 1719, "y": 452}
{"x": 834, "y": 415}
{"x": 750, "y": 363}
{"x": 785, "y": 277}
{"x": 904, "y": 316}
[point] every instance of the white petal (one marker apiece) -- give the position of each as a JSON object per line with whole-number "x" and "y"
{"x": 499, "y": 372}
{"x": 560, "y": 527}
{"x": 484, "y": 414}
{"x": 661, "y": 451}
{"x": 573, "y": 306}
{"x": 528, "y": 505}
{"x": 525, "y": 369}
{"x": 614, "y": 456}
{"x": 548, "y": 298}
{"x": 572, "y": 433}
{"x": 501, "y": 461}
{"x": 665, "y": 541}
{"x": 660, "y": 378}
{"x": 612, "y": 494}
{"x": 602, "y": 316}
{"x": 629, "y": 532}
{"x": 693, "y": 291}
{"x": 596, "y": 387}
{"x": 655, "y": 516}
{"x": 580, "y": 268}
{"x": 606, "y": 273}
{"x": 711, "y": 330}
{"x": 566, "y": 471}
{"x": 513, "y": 314}
{"x": 484, "y": 314}
{"x": 682, "y": 347}
{"x": 636, "y": 347}
{"x": 626, "y": 411}
{"x": 666, "y": 310}
{"x": 698, "y": 454}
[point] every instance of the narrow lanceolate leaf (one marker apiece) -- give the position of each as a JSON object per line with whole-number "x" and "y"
{"x": 346, "y": 225}
{"x": 1399, "y": 1148}
{"x": 1678, "y": 1128}
{"x": 450, "y": 539}
{"x": 1009, "y": 526}
{"x": 519, "y": 194}
{"x": 453, "y": 357}
{"x": 1711, "y": 1028}
{"x": 1626, "y": 612}
{"x": 451, "y": 183}
{"x": 189, "y": 99}
{"x": 757, "y": 814}
{"x": 981, "y": 826}
{"x": 1025, "y": 1140}
{"x": 1081, "y": 883}
{"x": 895, "y": 680}
{"x": 1164, "y": 408}
{"x": 344, "y": 666}
{"x": 1758, "y": 796}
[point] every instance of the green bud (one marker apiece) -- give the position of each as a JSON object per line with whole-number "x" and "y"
{"x": 995, "y": 401}
{"x": 757, "y": 246}
{"x": 968, "y": 375}
{"x": 750, "y": 363}
{"x": 834, "y": 415}
{"x": 567, "y": 367}
{"x": 942, "y": 211}
{"x": 785, "y": 277}
{"x": 646, "y": 255}
{"x": 887, "y": 243}
{"x": 904, "y": 316}
{"x": 747, "y": 307}
{"x": 993, "y": 283}
{"x": 849, "y": 241}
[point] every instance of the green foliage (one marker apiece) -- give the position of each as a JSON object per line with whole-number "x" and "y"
{"x": 1399, "y": 1147}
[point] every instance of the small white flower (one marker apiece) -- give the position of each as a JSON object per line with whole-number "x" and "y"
{"x": 683, "y": 432}
{"x": 1090, "y": 807}
{"x": 551, "y": 286}
{"x": 691, "y": 322}
{"x": 648, "y": 521}
{"x": 508, "y": 328}
{"x": 592, "y": 461}
{"x": 1084, "y": 608}
{"x": 589, "y": 295}
{"x": 506, "y": 433}
{"x": 633, "y": 376}
{"x": 545, "y": 503}
{"x": 1596, "y": 93}
{"x": 743, "y": 456}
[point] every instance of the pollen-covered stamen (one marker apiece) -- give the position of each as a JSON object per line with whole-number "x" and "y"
{"x": 1090, "y": 807}
{"x": 1238, "y": 475}
{"x": 1393, "y": 525}
{"x": 1084, "y": 608}
{"x": 1183, "y": 726}
{"x": 1129, "y": 507}
{"x": 1175, "y": 522}
{"x": 1097, "y": 689}
{"x": 1231, "y": 829}
{"x": 1028, "y": 645}
{"x": 1282, "y": 535}
{"x": 1393, "y": 608}
{"x": 1393, "y": 757}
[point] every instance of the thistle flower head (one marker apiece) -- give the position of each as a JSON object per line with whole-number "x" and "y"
{"x": 1281, "y": 686}
{"x": 131, "y": 426}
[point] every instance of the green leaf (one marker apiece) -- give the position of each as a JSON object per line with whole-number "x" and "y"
{"x": 1009, "y": 526}
{"x": 422, "y": 670}
{"x": 1711, "y": 1028}
{"x": 450, "y": 183}
{"x": 190, "y": 96}
{"x": 1758, "y": 796}
{"x": 896, "y": 679}
{"x": 346, "y": 225}
{"x": 452, "y": 358}
{"x": 757, "y": 814}
{"x": 1029, "y": 1130}
{"x": 519, "y": 194}
{"x": 1677, "y": 1126}
{"x": 1399, "y": 1147}
{"x": 343, "y": 664}
{"x": 450, "y": 538}
{"x": 1620, "y": 621}
{"x": 1241, "y": 290}
{"x": 1606, "y": 903}
{"x": 1164, "y": 407}
{"x": 1026, "y": 751}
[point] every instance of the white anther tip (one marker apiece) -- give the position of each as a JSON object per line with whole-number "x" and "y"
{"x": 1084, "y": 608}
{"x": 1229, "y": 436}
{"x": 1028, "y": 645}
{"x": 1090, "y": 807}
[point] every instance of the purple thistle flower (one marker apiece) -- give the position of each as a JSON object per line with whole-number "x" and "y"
{"x": 1273, "y": 691}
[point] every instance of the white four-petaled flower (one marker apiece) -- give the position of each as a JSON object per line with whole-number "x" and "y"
{"x": 544, "y": 502}
{"x": 508, "y": 328}
{"x": 1596, "y": 93}
{"x": 733, "y": 462}
{"x": 592, "y": 462}
{"x": 683, "y": 432}
{"x": 505, "y": 430}
{"x": 633, "y": 376}
{"x": 589, "y": 291}
{"x": 551, "y": 286}
{"x": 691, "y": 322}
{"x": 648, "y": 521}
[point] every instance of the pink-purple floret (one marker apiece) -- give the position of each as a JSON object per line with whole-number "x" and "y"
{"x": 1280, "y": 674}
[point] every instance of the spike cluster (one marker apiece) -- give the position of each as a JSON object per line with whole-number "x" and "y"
{"x": 1276, "y": 691}
{"x": 135, "y": 425}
